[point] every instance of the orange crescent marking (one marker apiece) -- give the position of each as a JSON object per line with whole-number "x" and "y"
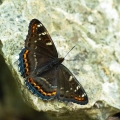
{"x": 33, "y": 28}
{"x": 26, "y": 51}
{"x": 44, "y": 93}
{"x": 34, "y": 84}
{"x": 79, "y": 98}
{"x": 39, "y": 89}
{"x": 26, "y": 62}
{"x": 24, "y": 55}
{"x": 53, "y": 93}
{"x": 26, "y": 69}
{"x": 49, "y": 94}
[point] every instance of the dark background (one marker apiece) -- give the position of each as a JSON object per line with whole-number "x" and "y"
{"x": 12, "y": 106}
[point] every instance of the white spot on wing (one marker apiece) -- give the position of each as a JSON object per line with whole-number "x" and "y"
{"x": 35, "y": 60}
{"x": 77, "y": 87}
{"x": 34, "y": 55}
{"x": 39, "y": 25}
{"x": 44, "y": 33}
{"x": 49, "y": 43}
{"x": 70, "y": 78}
{"x": 61, "y": 88}
{"x": 70, "y": 88}
{"x": 83, "y": 95}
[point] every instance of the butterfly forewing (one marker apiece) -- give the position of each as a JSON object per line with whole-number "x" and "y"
{"x": 39, "y": 49}
{"x": 39, "y": 40}
{"x": 69, "y": 89}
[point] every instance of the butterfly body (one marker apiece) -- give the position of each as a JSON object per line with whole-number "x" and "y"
{"x": 51, "y": 65}
{"x": 45, "y": 75}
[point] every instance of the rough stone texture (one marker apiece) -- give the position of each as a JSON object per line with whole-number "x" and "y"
{"x": 90, "y": 25}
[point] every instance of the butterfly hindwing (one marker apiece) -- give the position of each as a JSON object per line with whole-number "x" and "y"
{"x": 44, "y": 86}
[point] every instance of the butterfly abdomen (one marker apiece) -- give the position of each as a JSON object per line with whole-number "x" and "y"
{"x": 51, "y": 65}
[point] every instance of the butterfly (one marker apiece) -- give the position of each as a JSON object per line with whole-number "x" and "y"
{"x": 45, "y": 75}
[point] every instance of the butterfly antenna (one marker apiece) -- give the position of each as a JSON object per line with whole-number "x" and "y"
{"x": 69, "y": 51}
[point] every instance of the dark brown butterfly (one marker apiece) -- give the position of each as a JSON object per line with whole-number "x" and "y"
{"x": 45, "y": 75}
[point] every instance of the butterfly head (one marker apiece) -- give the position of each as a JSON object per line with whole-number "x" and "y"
{"x": 61, "y": 59}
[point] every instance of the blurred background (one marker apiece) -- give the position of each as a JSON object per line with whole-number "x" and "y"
{"x": 12, "y": 106}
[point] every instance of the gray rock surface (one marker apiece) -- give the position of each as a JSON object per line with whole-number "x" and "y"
{"x": 92, "y": 26}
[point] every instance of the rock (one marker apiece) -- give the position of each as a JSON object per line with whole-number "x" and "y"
{"x": 92, "y": 27}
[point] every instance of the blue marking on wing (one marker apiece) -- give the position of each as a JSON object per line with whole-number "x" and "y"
{"x": 37, "y": 93}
